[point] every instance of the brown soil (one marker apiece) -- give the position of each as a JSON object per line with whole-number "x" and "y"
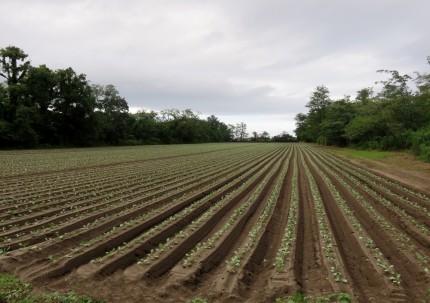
{"x": 311, "y": 274}
{"x": 400, "y": 166}
{"x": 307, "y": 269}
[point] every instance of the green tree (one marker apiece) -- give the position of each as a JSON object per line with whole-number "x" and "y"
{"x": 284, "y": 137}
{"x": 240, "y": 131}
{"x": 39, "y": 93}
{"x": 318, "y": 102}
{"x": 40, "y": 83}
{"x": 308, "y": 126}
{"x": 302, "y": 127}
{"x": 13, "y": 68}
{"x": 23, "y": 126}
{"x": 19, "y": 115}
{"x": 5, "y": 126}
{"x": 218, "y": 131}
{"x": 422, "y": 99}
{"x": 396, "y": 91}
{"x": 364, "y": 129}
{"x": 73, "y": 108}
{"x": 109, "y": 101}
{"x": 185, "y": 127}
{"x": 338, "y": 114}
{"x": 264, "y": 136}
{"x": 364, "y": 95}
{"x": 146, "y": 127}
{"x": 112, "y": 113}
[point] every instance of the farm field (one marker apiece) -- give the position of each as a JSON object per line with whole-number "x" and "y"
{"x": 226, "y": 222}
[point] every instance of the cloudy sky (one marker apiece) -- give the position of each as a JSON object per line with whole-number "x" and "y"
{"x": 252, "y": 61}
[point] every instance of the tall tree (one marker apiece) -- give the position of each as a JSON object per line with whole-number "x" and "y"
{"x": 264, "y": 136}
{"x": 241, "y": 131}
{"x": 40, "y": 83}
{"x": 301, "y": 127}
{"x": 146, "y": 127}
{"x": 338, "y": 114}
{"x": 112, "y": 113}
{"x": 73, "y": 107}
{"x": 318, "y": 102}
{"x": 398, "y": 97}
{"x": 13, "y": 68}
{"x": 5, "y": 126}
{"x": 218, "y": 130}
{"x": 39, "y": 94}
{"x": 364, "y": 95}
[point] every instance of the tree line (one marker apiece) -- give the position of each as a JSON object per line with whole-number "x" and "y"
{"x": 44, "y": 107}
{"x": 395, "y": 118}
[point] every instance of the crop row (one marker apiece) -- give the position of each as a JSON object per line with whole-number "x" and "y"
{"x": 15, "y": 163}
{"x": 276, "y": 218}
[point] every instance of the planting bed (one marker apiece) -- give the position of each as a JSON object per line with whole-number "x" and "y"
{"x": 226, "y": 222}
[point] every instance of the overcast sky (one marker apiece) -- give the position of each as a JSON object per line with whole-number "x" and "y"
{"x": 252, "y": 61}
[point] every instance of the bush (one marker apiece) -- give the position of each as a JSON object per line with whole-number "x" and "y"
{"x": 401, "y": 141}
{"x": 421, "y": 144}
{"x": 371, "y": 144}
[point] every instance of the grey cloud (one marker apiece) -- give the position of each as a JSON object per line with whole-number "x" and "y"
{"x": 255, "y": 58}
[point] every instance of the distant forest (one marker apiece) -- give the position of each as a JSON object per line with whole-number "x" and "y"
{"x": 40, "y": 107}
{"x": 395, "y": 118}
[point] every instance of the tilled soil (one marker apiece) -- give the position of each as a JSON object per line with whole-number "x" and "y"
{"x": 125, "y": 232}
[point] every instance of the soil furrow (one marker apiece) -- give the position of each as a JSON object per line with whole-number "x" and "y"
{"x": 49, "y": 212}
{"x": 92, "y": 204}
{"x": 242, "y": 224}
{"x": 383, "y": 181}
{"x": 257, "y": 269}
{"x": 210, "y": 260}
{"x": 118, "y": 239}
{"x": 233, "y": 278}
{"x": 39, "y": 238}
{"x": 175, "y": 255}
{"x": 389, "y": 213}
{"x": 413, "y": 278}
{"x": 309, "y": 265}
{"x": 122, "y": 163}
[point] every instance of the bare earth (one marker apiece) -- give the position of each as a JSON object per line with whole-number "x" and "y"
{"x": 88, "y": 230}
{"x": 400, "y": 166}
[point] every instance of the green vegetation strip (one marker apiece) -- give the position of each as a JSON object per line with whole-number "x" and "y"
{"x": 300, "y": 298}
{"x": 13, "y": 290}
{"x": 369, "y": 154}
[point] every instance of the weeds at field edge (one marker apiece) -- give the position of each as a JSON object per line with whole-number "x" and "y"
{"x": 300, "y": 298}
{"x": 13, "y": 290}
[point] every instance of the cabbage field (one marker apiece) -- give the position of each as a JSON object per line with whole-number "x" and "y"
{"x": 237, "y": 222}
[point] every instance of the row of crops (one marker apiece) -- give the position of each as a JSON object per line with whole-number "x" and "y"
{"x": 243, "y": 221}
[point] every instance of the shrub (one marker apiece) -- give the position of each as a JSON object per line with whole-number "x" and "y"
{"x": 421, "y": 144}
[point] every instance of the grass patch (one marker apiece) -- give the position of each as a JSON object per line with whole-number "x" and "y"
{"x": 300, "y": 298}
{"x": 13, "y": 290}
{"x": 368, "y": 154}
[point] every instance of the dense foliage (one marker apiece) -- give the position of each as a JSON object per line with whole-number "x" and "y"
{"x": 43, "y": 107}
{"x": 395, "y": 118}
